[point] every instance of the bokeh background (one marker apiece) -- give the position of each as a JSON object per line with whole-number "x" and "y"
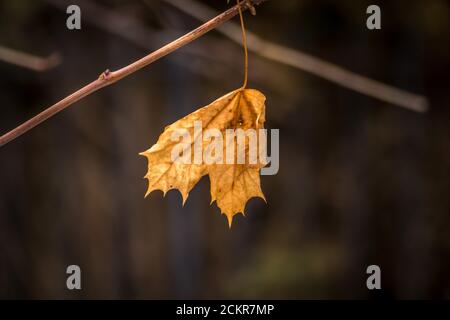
{"x": 361, "y": 181}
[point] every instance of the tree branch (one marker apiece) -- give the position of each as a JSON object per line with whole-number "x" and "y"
{"x": 29, "y": 61}
{"x": 308, "y": 63}
{"x": 109, "y": 77}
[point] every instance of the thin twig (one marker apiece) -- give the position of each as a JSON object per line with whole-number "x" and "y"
{"x": 29, "y": 61}
{"x": 109, "y": 77}
{"x": 306, "y": 62}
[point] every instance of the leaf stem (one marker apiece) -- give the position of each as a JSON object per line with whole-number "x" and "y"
{"x": 244, "y": 43}
{"x": 314, "y": 65}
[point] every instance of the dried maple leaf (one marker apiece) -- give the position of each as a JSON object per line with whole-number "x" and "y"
{"x": 232, "y": 185}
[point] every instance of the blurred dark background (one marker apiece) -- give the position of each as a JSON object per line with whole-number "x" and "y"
{"x": 361, "y": 181}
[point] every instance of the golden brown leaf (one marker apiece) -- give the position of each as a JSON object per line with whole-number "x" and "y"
{"x": 232, "y": 185}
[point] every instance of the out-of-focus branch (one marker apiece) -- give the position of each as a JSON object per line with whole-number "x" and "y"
{"x": 29, "y": 61}
{"x": 109, "y": 77}
{"x": 130, "y": 28}
{"x": 309, "y": 63}
{"x": 127, "y": 27}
